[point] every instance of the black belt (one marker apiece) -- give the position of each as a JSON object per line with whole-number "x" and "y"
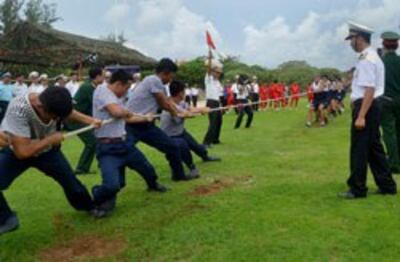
{"x": 110, "y": 140}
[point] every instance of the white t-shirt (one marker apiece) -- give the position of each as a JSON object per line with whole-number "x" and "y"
{"x": 72, "y": 87}
{"x": 36, "y": 88}
{"x": 214, "y": 88}
{"x": 255, "y": 88}
{"x": 194, "y": 91}
{"x": 370, "y": 72}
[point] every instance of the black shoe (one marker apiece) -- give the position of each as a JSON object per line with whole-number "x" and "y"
{"x": 349, "y": 195}
{"x": 381, "y": 192}
{"x": 158, "y": 188}
{"x": 217, "y": 143}
{"x": 10, "y": 225}
{"x": 212, "y": 159}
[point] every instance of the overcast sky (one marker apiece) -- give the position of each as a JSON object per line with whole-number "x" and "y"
{"x": 264, "y": 32}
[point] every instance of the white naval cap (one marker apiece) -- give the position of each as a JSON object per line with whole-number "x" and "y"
{"x": 356, "y": 29}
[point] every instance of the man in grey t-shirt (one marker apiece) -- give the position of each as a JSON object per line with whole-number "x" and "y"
{"x": 148, "y": 98}
{"x": 174, "y": 127}
{"x": 30, "y": 125}
{"x": 113, "y": 153}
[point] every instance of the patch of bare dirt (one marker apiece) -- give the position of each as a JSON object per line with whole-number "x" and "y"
{"x": 218, "y": 185}
{"x": 85, "y": 247}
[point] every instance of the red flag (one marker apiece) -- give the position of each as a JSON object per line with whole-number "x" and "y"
{"x": 210, "y": 41}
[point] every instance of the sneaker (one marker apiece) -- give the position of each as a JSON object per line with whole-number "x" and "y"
{"x": 194, "y": 173}
{"x": 308, "y": 124}
{"x": 185, "y": 178}
{"x": 109, "y": 205}
{"x": 349, "y": 195}
{"x": 98, "y": 213}
{"x": 11, "y": 224}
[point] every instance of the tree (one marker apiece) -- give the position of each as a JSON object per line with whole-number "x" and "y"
{"x": 37, "y": 12}
{"x": 113, "y": 38}
{"x": 9, "y": 14}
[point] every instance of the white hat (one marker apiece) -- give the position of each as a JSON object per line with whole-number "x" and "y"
{"x": 7, "y": 74}
{"x": 34, "y": 74}
{"x": 43, "y": 77}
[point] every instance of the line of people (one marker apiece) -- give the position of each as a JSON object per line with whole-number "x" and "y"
{"x": 31, "y": 134}
{"x": 325, "y": 97}
{"x": 282, "y": 96}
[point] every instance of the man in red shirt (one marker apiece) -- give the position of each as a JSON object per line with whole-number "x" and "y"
{"x": 295, "y": 95}
{"x": 264, "y": 97}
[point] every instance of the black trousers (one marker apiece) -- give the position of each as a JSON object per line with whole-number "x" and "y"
{"x": 3, "y": 109}
{"x": 255, "y": 98}
{"x": 153, "y": 136}
{"x": 215, "y": 124}
{"x": 367, "y": 149}
{"x": 194, "y": 100}
{"x": 245, "y": 109}
{"x": 188, "y": 143}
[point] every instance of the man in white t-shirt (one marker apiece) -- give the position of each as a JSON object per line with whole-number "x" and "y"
{"x": 73, "y": 84}
{"x": 214, "y": 89}
{"x": 20, "y": 87}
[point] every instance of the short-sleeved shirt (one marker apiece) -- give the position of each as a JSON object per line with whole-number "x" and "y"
{"x": 84, "y": 98}
{"x": 21, "y": 120}
{"x": 241, "y": 91}
{"x": 370, "y": 72}
{"x": 392, "y": 69}
{"x": 6, "y": 91}
{"x": 19, "y": 89}
{"x": 173, "y": 126}
{"x": 214, "y": 88}
{"x": 103, "y": 97}
{"x": 143, "y": 99}
{"x": 36, "y": 88}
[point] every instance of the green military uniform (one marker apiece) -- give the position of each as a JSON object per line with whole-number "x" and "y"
{"x": 391, "y": 103}
{"x": 83, "y": 103}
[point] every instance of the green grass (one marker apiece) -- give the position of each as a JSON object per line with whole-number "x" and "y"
{"x": 279, "y": 204}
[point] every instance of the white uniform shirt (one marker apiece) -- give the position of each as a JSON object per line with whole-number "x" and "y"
{"x": 36, "y": 88}
{"x": 72, "y": 87}
{"x": 241, "y": 91}
{"x": 213, "y": 88}
{"x": 370, "y": 72}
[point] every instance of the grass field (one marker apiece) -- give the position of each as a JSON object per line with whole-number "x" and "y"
{"x": 273, "y": 198}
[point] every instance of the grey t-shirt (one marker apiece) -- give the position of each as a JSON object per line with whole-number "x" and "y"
{"x": 143, "y": 100}
{"x": 21, "y": 120}
{"x": 173, "y": 126}
{"x": 103, "y": 97}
